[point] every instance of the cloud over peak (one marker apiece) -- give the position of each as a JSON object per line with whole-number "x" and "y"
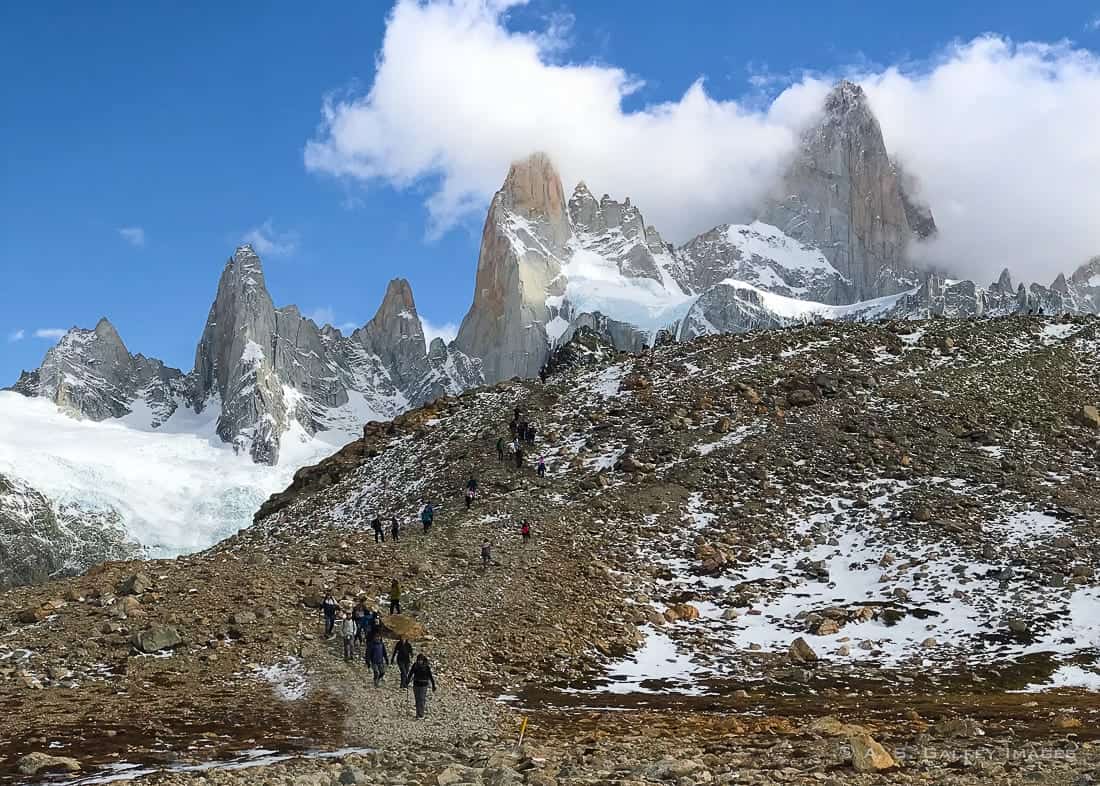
{"x": 266, "y": 241}
{"x": 1000, "y": 134}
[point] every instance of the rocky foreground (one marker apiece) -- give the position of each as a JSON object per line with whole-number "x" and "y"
{"x": 830, "y": 554}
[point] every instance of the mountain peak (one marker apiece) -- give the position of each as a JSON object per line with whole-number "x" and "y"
{"x": 846, "y": 96}
{"x": 533, "y": 188}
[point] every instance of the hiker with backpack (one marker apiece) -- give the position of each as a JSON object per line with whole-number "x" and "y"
{"x": 376, "y": 525}
{"x": 421, "y": 677}
{"x": 519, "y": 455}
{"x": 329, "y": 607}
{"x": 395, "y": 596}
{"x": 377, "y": 658}
{"x": 395, "y": 529}
{"x": 403, "y": 654}
{"x": 525, "y": 531}
{"x": 348, "y": 629}
{"x": 486, "y": 553}
{"x": 500, "y": 448}
{"x": 427, "y": 517}
{"x": 541, "y": 466}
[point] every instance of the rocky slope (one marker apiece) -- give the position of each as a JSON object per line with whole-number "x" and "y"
{"x": 895, "y": 524}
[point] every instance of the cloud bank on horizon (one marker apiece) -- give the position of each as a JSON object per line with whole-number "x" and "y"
{"x": 1000, "y": 134}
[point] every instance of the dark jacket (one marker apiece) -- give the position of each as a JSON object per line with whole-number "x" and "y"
{"x": 403, "y": 652}
{"x": 378, "y": 652}
{"x": 422, "y": 675}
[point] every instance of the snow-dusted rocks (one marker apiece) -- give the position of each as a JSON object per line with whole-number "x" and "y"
{"x": 39, "y": 540}
{"x": 842, "y": 195}
{"x": 90, "y": 373}
{"x": 272, "y": 369}
{"x": 765, "y": 257}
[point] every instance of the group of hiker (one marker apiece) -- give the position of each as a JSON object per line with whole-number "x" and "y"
{"x": 364, "y": 625}
{"x": 427, "y": 517}
{"x": 523, "y": 433}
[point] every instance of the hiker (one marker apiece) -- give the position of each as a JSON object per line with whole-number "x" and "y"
{"x": 541, "y": 466}
{"x": 531, "y": 433}
{"x": 519, "y": 456}
{"x": 376, "y": 525}
{"x": 471, "y": 492}
{"x": 525, "y": 531}
{"x": 360, "y": 615}
{"x": 542, "y": 375}
{"x": 328, "y": 608}
{"x": 486, "y": 553}
{"x": 348, "y": 628}
{"x": 377, "y": 658}
{"x": 374, "y": 624}
{"x": 513, "y": 428}
{"x": 421, "y": 676}
{"x": 395, "y": 529}
{"x": 403, "y": 653}
{"x": 427, "y": 516}
{"x": 395, "y": 597}
{"x": 500, "y": 448}
{"x": 523, "y": 431}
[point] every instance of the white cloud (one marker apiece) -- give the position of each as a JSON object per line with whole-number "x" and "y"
{"x": 457, "y": 96}
{"x": 51, "y": 333}
{"x": 325, "y": 315}
{"x": 446, "y": 331}
{"x": 1094, "y": 24}
{"x": 1000, "y": 134}
{"x": 16, "y": 335}
{"x": 135, "y": 236}
{"x": 266, "y": 241}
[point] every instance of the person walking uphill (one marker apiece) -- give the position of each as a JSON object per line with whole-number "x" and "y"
{"x": 395, "y": 529}
{"x": 403, "y": 654}
{"x": 500, "y": 448}
{"x": 377, "y": 658}
{"x": 427, "y": 517}
{"x": 471, "y": 492}
{"x": 379, "y": 533}
{"x": 328, "y": 608}
{"x": 395, "y": 597}
{"x": 421, "y": 677}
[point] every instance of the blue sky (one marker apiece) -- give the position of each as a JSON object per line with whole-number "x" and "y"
{"x": 144, "y": 140}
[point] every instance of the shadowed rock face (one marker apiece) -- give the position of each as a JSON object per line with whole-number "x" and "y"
{"x": 524, "y": 238}
{"x": 842, "y": 195}
{"x": 272, "y": 367}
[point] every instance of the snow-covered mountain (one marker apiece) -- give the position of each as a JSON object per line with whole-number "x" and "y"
{"x": 271, "y": 390}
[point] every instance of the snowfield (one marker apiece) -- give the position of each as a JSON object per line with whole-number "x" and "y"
{"x": 178, "y": 488}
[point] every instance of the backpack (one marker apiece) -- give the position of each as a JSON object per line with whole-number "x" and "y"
{"x": 426, "y": 514}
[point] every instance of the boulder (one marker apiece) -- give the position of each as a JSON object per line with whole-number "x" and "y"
{"x": 161, "y": 637}
{"x": 801, "y": 651}
{"x": 457, "y": 773}
{"x": 37, "y": 763}
{"x": 868, "y": 755}
{"x": 242, "y": 618}
{"x": 1089, "y": 416}
{"x": 32, "y": 615}
{"x": 403, "y": 627}
{"x": 136, "y": 584}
